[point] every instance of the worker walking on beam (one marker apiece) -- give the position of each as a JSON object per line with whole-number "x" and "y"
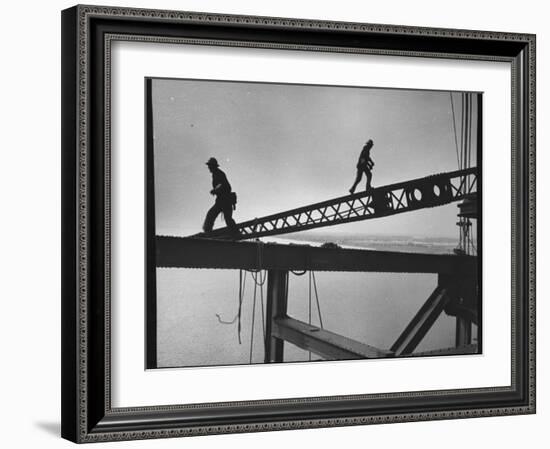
{"x": 225, "y": 199}
{"x": 364, "y": 165}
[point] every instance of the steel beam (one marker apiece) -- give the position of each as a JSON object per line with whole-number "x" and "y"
{"x": 277, "y": 300}
{"x": 464, "y": 304}
{"x": 469, "y": 207}
{"x": 180, "y": 252}
{"x": 415, "y": 194}
{"x": 460, "y": 350}
{"x": 421, "y": 323}
{"x": 326, "y": 344}
{"x": 457, "y": 310}
{"x": 463, "y": 334}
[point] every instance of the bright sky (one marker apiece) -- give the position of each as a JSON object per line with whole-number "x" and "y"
{"x": 284, "y": 146}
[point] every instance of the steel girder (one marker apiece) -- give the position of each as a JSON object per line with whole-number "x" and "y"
{"x": 421, "y": 193}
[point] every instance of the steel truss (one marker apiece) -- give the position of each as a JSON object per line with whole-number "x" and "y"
{"x": 421, "y": 193}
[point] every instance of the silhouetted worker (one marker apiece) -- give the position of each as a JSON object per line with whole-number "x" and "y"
{"x": 225, "y": 198}
{"x": 364, "y": 165}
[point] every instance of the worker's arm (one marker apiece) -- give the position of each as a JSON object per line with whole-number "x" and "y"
{"x": 215, "y": 189}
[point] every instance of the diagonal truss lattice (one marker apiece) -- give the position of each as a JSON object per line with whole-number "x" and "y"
{"x": 430, "y": 191}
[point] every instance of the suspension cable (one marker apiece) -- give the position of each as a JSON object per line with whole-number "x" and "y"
{"x": 470, "y": 109}
{"x": 454, "y": 129}
{"x": 462, "y": 118}
{"x": 309, "y": 309}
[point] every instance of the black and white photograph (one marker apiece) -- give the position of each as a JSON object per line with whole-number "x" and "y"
{"x": 279, "y": 220}
{"x": 307, "y": 223}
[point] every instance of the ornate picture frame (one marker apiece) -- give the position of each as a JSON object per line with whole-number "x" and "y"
{"x": 88, "y": 413}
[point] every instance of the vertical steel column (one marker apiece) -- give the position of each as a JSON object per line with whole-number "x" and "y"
{"x": 277, "y": 300}
{"x": 463, "y": 332}
{"x": 150, "y": 249}
{"x": 479, "y": 233}
{"x": 464, "y": 300}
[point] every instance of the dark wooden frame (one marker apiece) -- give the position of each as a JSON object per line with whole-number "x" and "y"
{"x": 87, "y": 414}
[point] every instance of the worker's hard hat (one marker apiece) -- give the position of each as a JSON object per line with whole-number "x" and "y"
{"x": 212, "y": 162}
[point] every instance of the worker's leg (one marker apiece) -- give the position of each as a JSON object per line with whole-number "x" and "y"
{"x": 211, "y": 217}
{"x": 357, "y": 180}
{"x": 368, "y": 174}
{"x": 228, "y": 217}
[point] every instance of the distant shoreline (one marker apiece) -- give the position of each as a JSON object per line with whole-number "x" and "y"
{"x": 437, "y": 245}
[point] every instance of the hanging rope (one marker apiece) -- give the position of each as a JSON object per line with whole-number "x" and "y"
{"x": 317, "y": 300}
{"x": 259, "y": 281}
{"x": 313, "y": 281}
{"x": 241, "y": 297}
{"x": 259, "y": 276}
{"x": 257, "y": 273}
{"x": 253, "y": 319}
{"x": 472, "y": 243}
{"x": 263, "y": 314}
{"x": 242, "y": 285}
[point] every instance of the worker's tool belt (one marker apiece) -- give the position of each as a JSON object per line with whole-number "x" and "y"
{"x": 227, "y": 199}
